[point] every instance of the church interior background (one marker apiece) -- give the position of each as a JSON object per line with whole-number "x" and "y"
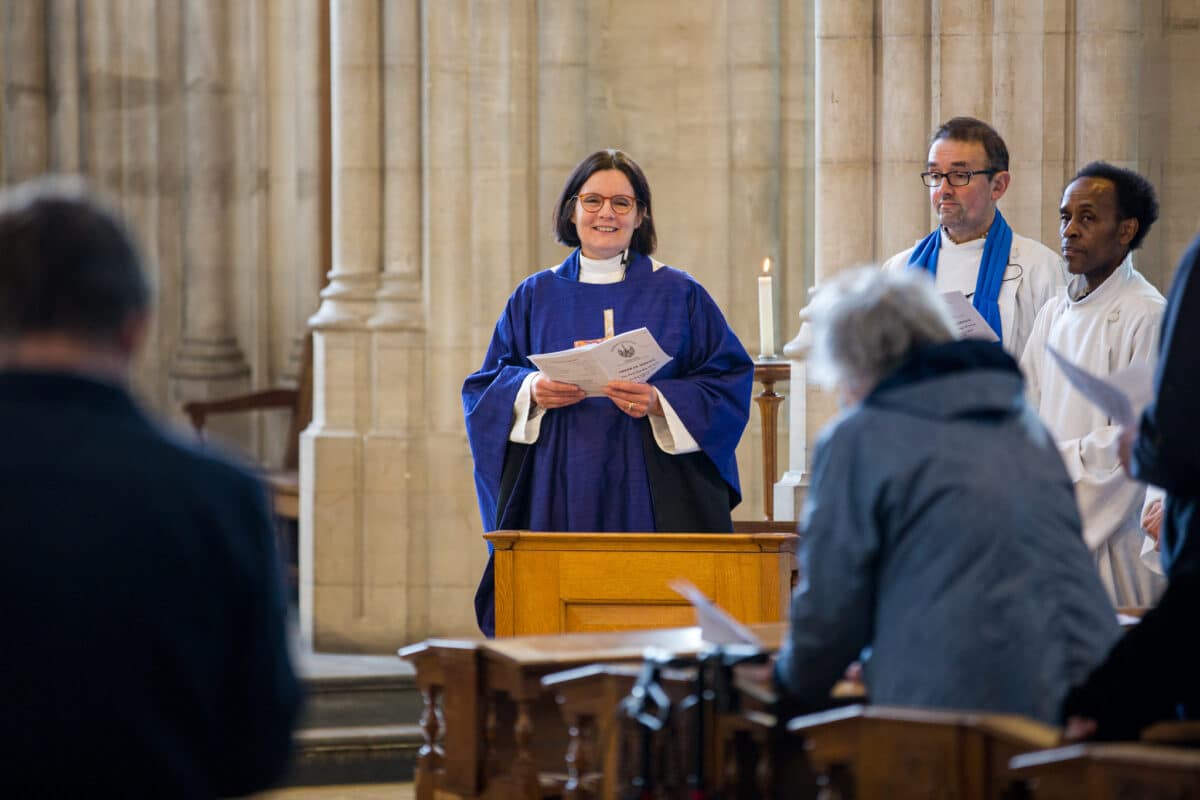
{"x": 382, "y": 173}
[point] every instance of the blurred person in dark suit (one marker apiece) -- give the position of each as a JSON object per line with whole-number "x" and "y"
{"x": 145, "y": 649}
{"x": 1153, "y": 672}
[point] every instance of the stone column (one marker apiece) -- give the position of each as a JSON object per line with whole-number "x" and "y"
{"x": 311, "y": 136}
{"x": 902, "y": 207}
{"x": 338, "y": 608}
{"x": 397, "y": 572}
{"x": 294, "y": 134}
{"x": 845, "y": 226}
{"x": 208, "y": 361}
{"x": 169, "y": 154}
{"x": 24, "y": 125}
{"x": 1109, "y": 104}
{"x": 797, "y": 154}
{"x": 1181, "y": 172}
{"x": 459, "y": 325}
{"x": 793, "y": 487}
{"x": 349, "y": 299}
{"x": 796, "y": 234}
{"x": 845, "y": 132}
{"x": 102, "y": 148}
{"x": 562, "y": 135}
{"x": 753, "y": 208}
{"x": 246, "y": 212}
{"x": 1107, "y": 62}
{"x": 288, "y": 236}
{"x": 398, "y": 301}
{"x": 1021, "y": 92}
{"x": 963, "y": 53}
{"x": 64, "y": 92}
{"x": 137, "y": 86}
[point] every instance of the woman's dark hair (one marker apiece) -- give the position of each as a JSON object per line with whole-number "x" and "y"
{"x": 1136, "y": 197}
{"x": 645, "y": 240}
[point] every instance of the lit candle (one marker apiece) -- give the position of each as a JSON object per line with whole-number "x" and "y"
{"x": 766, "y": 311}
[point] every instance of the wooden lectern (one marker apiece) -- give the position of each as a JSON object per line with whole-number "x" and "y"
{"x": 589, "y": 582}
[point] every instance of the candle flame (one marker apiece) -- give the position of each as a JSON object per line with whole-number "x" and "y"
{"x": 766, "y": 265}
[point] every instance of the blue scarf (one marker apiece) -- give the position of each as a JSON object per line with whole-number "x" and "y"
{"x": 991, "y": 268}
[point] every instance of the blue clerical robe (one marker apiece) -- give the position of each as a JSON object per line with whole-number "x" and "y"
{"x": 594, "y": 468}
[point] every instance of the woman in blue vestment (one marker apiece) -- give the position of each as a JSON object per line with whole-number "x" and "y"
{"x": 654, "y": 456}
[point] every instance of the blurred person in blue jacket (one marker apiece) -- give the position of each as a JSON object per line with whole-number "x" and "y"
{"x": 940, "y": 532}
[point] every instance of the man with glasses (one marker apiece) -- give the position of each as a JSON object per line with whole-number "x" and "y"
{"x": 1007, "y": 277}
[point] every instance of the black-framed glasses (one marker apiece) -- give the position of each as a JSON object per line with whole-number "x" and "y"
{"x": 621, "y": 203}
{"x": 958, "y": 177}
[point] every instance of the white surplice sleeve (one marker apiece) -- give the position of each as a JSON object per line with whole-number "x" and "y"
{"x": 1150, "y": 555}
{"x": 1041, "y": 281}
{"x": 1107, "y": 497}
{"x": 527, "y": 417}
{"x": 669, "y": 431}
{"x": 1035, "y": 354}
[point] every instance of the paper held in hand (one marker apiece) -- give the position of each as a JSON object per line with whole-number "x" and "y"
{"x": 716, "y": 626}
{"x": 1121, "y": 396}
{"x": 968, "y": 324}
{"x": 632, "y": 356}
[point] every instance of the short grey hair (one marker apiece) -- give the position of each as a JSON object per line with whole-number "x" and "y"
{"x": 866, "y": 321}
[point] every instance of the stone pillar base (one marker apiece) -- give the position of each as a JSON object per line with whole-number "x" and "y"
{"x": 354, "y": 543}
{"x": 358, "y": 462}
{"x": 209, "y": 369}
{"x": 790, "y": 492}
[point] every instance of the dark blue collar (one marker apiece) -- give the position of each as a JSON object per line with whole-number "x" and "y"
{"x": 936, "y": 360}
{"x": 66, "y": 389}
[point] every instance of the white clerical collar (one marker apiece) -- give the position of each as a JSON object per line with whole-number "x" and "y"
{"x": 965, "y": 247}
{"x": 608, "y": 270}
{"x": 1077, "y": 289}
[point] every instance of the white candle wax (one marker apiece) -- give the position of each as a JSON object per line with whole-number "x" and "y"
{"x": 766, "y": 311}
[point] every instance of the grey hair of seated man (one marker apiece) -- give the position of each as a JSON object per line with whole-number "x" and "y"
{"x": 865, "y": 322}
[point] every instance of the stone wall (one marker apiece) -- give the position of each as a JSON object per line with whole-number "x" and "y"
{"x": 203, "y": 122}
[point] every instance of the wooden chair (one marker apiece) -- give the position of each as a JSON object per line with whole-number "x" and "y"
{"x": 285, "y": 481}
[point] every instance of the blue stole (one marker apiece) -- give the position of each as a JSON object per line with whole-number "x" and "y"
{"x": 991, "y": 268}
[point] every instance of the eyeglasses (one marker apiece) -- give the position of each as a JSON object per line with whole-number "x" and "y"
{"x": 956, "y": 178}
{"x": 620, "y": 203}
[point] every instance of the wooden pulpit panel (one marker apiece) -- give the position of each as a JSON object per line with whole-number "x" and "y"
{"x": 590, "y": 582}
{"x": 596, "y": 617}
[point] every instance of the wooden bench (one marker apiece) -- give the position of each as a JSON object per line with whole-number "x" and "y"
{"x": 491, "y": 729}
{"x": 882, "y": 751}
{"x": 1119, "y": 770}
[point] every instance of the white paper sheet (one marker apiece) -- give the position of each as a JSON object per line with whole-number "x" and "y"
{"x": 632, "y": 356}
{"x": 1150, "y": 557}
{"x": 1121, "y": 396}
{"x": 968, "y": 324}
{"x": 716, "y": 626}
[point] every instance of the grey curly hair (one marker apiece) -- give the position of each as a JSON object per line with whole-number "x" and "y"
{"x": 866, "y": 321}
